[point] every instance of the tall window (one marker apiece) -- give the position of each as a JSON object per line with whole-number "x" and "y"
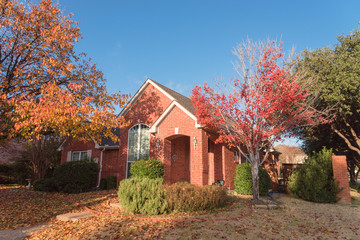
{"x": 138, "y": 144}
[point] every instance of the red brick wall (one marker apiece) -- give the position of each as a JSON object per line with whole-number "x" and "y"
{"x": 229, "y": 167}
{"x": 186, "y": 127}
{"x": 341, "y": 175}
{"x": 111, "y": 163}
{"x": 146, "y": 109}
{"x": 79, "y": 146}
{"x": 272, "y": 170}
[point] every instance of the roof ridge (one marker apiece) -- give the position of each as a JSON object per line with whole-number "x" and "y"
{"x": 181, "y": 99}
{"x": 169, "y": 89}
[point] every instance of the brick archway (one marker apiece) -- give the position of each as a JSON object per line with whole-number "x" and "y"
{"x": 177, "y": 158}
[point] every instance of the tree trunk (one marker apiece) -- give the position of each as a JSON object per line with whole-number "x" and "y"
{"x": 255, "y": 181}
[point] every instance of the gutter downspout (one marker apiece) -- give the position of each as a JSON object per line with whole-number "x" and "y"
{"x": 100, "y": 171}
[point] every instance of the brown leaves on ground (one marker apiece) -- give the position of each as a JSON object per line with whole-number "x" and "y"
{"x": 298, "y": 220}
{"x": 21, "y": 207}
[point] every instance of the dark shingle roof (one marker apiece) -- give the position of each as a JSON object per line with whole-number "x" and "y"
{"x": 108, "y": 141}
{"x": 184, "y": 101}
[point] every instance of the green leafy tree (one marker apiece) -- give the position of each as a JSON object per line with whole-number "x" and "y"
{"x": 336, "y": 72}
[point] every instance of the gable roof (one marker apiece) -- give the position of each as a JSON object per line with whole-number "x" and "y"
{"x": 108, "y": 141}
{"x": 185, "y": 102}
{"x": 181, "y": 99}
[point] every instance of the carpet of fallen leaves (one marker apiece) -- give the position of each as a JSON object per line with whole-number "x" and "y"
{"x": 21, "y": 207}
{"x": 297, "y": 220}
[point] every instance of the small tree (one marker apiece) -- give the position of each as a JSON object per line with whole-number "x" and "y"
{"x": 41, "y": 156}
{"x": 260, "y": 107}
{"x": 314, "y": 180}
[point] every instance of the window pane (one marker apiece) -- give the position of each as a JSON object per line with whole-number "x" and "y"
{"x": 144, "y": 142}
{"x": 76, "y": 156}
{"x": 84, "y": 156}
{"x": 132, "y": 144}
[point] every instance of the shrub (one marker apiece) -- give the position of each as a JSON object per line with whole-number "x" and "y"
{"x": 75, "y": 177}
{"x": 150, "y": 168}
{"x": 184, "y": 197}
{"x": 7, "y": 173}
{"x": 243, "y": 180}
{"x": 45, "y": 185}
{"x": 142, "y": 195}
{"x": 111, "y": 182}
{"x": 103, "y": 184}
{"x": 314, "y": 180}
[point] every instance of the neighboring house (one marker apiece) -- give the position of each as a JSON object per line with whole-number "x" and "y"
{"x": 163, "y": 125}
{"x": 290, "y": 158}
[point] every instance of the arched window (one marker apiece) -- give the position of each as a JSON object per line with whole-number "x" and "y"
{"x": 138, "y": 144}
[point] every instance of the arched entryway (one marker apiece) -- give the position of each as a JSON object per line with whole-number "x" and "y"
{"x": 177, "y": 157}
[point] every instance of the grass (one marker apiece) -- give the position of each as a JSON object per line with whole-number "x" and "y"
{"x": 298, "y": 220}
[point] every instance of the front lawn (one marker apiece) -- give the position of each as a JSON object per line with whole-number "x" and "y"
{"x": 21, "y": 207}
{"x": 298, "y": 220}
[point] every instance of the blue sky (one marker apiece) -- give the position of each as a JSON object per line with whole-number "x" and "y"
{"x": 183, "y": 43}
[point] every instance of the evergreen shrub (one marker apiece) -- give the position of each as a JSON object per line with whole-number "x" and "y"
{"x": 243, "y": 180}
{"x": 314, "y": 181}
{"x": 103, "y": 184}
{"x": 143, "y": 195}
{"x": 76, "y": 176}
{"x": 111, "y": 182}
{"x": 45, "y": 185}
{"x": 185, "y": 197}
{"x": 149, "y": 168}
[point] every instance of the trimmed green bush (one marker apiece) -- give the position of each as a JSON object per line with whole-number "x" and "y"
{"x": 111, "y": 182}
{"x": 75, "y": 177}
{"x": 103, "y": 184}
{"x": 185, "y": 197}
{"x": 314, "y": 180}
{"x": 45, "y": 185}
{"x": 150, "y": 168}
{"x": 243, "y": 180}
{"x": 143, "y": 195}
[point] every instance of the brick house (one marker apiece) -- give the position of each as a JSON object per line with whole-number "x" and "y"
{"x": 163, "y": 125}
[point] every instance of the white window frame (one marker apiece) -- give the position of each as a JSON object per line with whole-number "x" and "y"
{"x": 236, "y": 156}
{"x": 138, "y": 145}
{"x": 88, "y": 156}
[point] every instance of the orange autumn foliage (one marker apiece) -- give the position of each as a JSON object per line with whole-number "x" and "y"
{"x": 46, "y": 87}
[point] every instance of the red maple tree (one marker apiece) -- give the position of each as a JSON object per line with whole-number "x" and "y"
{"x": 259, "y": 108}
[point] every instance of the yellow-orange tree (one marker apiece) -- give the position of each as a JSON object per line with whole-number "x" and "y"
{"x": 45, "y": 85}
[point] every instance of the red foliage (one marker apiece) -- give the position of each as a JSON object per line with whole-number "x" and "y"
{"x": 258, "y": 109}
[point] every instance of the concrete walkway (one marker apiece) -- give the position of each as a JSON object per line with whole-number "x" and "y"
{"x": 20, "y": 233}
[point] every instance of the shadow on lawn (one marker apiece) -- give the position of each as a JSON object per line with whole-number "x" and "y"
{"x": 22, "y": 207}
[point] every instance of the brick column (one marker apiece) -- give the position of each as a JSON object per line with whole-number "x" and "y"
{"x": 167, "y": 161}
{"x": 341, "y": 175}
